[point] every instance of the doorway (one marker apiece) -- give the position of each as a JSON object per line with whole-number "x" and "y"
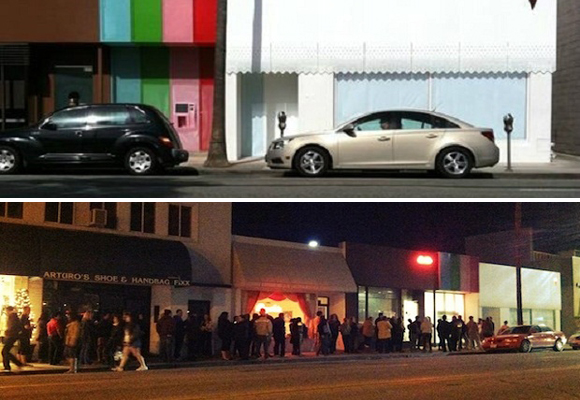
{"x": 410, "y": 311}
{"x": 69, "y": 79}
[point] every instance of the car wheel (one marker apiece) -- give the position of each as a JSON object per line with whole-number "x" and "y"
{"x": 558, "y": 346}
{"x": 10, "y": 161}
{"x": 454, "y": 162}
{"x": 312, "y": 162}
{"x": 525, "y": 347}
{"x": 141, "y": 161}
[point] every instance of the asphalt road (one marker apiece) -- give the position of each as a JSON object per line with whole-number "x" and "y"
{"x": 190, "y": 183}
{"x": 541, "y": 375}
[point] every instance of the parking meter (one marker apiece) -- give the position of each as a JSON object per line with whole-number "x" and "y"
{"x": 508, "y": 124}
{"x": 508, "y": 127}
{"x": 282, "y": 122}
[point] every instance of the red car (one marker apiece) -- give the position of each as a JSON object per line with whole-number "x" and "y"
{"x": 524, "y": 338}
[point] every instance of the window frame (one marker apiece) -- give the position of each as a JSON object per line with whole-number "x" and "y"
{"x": 180, "y": 222}
{"x": 59, "y": 212}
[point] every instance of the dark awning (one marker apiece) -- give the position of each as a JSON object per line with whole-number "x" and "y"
{"x": 33, "y": 251}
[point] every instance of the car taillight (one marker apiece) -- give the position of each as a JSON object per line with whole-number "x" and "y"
{"x": 166, "y": 141}
{"x": 489, "y": 135}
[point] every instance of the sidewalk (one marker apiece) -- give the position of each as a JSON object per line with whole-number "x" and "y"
{"x": 563, "y": 166}
{"x": 153, "y": 363}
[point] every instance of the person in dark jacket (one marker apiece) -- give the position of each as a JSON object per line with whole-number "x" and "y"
{"x": 455, "y": 334}
{"x": 131, "y": 344}
{"x": 103, "y": 332}
{"x": 166, "y": 331}
{"x": 241, "y": 336}
{"x": 296, "y": 335}
{"x": 354, "y": 332}
{"x": 344, "y": 329}
{"x": 225, "y": 333}
{"x": 445, "y": 332}
{"x": 279, "y": 332}
{"x": 114, "y": 341}
{"x": 87, "y": 337}
{"x": 206, "y": 345}
{"x": 254, "y": 340}
{"x": 11, "y": 336}
{"x": 42, "y": 338}
{"x": 179, "y": 333}
{"x": 325, "y": 336}
{"x": 24, "y": 349}
{"x": 334, "y": 324}
{"x": 397, "y": 334}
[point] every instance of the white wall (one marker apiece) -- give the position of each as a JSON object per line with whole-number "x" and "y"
{"x": 233, "y": 115}
{"x": 315, "y": 102}
{"x": 280, "y": 94}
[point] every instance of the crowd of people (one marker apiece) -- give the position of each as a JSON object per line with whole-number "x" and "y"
{"x": 111, "y": 339}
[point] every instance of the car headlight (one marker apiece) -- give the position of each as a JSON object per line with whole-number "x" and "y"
{"x": 278, "y": 145}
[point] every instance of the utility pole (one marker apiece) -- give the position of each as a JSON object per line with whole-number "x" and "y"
{"x": 217, "y": 156}
{"x": 518, "y": 229}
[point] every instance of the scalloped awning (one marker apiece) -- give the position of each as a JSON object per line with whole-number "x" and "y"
{"x": 371, "y": 58}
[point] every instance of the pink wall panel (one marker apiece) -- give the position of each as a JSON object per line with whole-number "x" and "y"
{"x": 178, "y": 21}
{"x": 185, "y": 89}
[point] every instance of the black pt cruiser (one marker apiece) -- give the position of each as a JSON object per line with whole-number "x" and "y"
{"x": 135, "y": 136}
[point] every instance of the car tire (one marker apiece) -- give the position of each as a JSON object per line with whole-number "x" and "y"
{"x": 312, "y": 162}
{"x": 525, "y": 346}
{"x": 141, "y": 161}
{"x": 558, "y": 346}
{"x": 10, "y": 160}
{"x": 454, "y": 162}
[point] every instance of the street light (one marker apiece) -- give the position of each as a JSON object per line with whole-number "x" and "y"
{"x": 313, "y": 243}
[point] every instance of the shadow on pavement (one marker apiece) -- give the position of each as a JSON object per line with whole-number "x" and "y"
{"x": 93, "y": 171}
{"x": 391, "y": 175}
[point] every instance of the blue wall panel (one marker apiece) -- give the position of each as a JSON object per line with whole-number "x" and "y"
{"x": 253, "y": 115}
{"x": 126, "y": 74}
{"x": 116, "y": 21}
{"x": 483, "y": 99}
{"x": 361, "y": 93}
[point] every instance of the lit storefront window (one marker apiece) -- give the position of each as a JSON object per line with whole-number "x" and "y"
{"x": 380, "y": 300}
{"x": 446, "y": 303}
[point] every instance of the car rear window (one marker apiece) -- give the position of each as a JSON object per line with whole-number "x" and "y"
{"x": 138, "y": 116}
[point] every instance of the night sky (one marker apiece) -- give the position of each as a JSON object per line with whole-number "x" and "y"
{"x": 420, "y": 226}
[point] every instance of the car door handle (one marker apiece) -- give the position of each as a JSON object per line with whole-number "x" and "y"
{"x": 432, "y": 136}
{"x": 79, "y": 133}
{"x": 384, "y": 139}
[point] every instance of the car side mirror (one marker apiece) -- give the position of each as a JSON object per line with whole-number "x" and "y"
{"x": 49, "y": 126}
{"x": 349, "y": 130}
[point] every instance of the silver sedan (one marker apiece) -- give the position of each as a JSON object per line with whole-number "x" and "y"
{"x": 394, "y": 139}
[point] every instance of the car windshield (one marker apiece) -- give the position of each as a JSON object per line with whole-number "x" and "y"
{"x": 517, "y": 330}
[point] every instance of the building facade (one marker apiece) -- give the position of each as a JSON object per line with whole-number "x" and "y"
{"x": 115, "y": 257}
{"x": 566, "y": 84}
{"x": 323, "y": 63}
{"x": 158, "y": 52}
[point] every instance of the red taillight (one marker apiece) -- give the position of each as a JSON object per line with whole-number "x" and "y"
{"x": 489, "y": 135}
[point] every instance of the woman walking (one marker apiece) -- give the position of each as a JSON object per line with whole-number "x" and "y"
{"x": 131, "y": 344}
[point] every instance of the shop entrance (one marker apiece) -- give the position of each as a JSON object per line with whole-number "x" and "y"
{"x": 198, "y": 307}
{"x": 410, "y": 311}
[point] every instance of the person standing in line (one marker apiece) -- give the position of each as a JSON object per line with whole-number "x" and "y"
{"x": 87, "y": 336}
{"x": 72, "y": 339}
{"x": 179, "y": 333}
{"x": 241, "y": 337}
{"x": 225, "y": 333}
{"x": 131, "y": 344}
{"x": 313, "y": 331}
{"x": 11, "y": 336}
{"x": 325, "y": 336}
{"x": 24, "y": 349}
{"x": 474, "y": 340}
{"x": 440, "y": 335}
{"x": 426, "y": 333}
{"x": 460, "y": 327}
{"x": 166, "y": 330}
{"x": 103, "y": 334}
{"x": 344, "y": 329}
{"x": 206, "y": 336}
{"x": 454, "y": 334}
{"x": 55, "y": 331}
{"x": 279, "y": 332}
{"x": 42, "y": 338}
{"x": 397, "y": 333}
{"x": 334, "y": 324}
{"x": 114, "y": 341}
{"x": 413, "y": 333}
{"x": 263, "y": 327}
{"x": 354, "y": 335}
{"x": 446, "y": 328}
{"x": 296, "y": 335}
{"x": 368, "y": 331}
{"x": 384, "y": 334}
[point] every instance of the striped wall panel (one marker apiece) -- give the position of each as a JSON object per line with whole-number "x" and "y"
{"x": 126, "y": 74}
{"x": 178, "y": 21}
{"x": 115, "y": 21}
{"x": 155, "y": 78}
{"x": 147, "y": 21}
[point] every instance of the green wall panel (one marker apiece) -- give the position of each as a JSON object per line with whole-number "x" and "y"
{"x": 155, "y": 77}
{"x": 147, "y": 21}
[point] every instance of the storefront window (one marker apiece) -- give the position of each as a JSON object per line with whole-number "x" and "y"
{"x": 384, "y": 301}
{"x": 362, "y": 303}
{"x": 446, "y": 303}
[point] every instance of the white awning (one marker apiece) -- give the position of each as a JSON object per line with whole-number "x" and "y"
{"x": 261, "y": 264}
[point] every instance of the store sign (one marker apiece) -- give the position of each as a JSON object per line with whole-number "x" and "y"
{"x": 119, "y": 279}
